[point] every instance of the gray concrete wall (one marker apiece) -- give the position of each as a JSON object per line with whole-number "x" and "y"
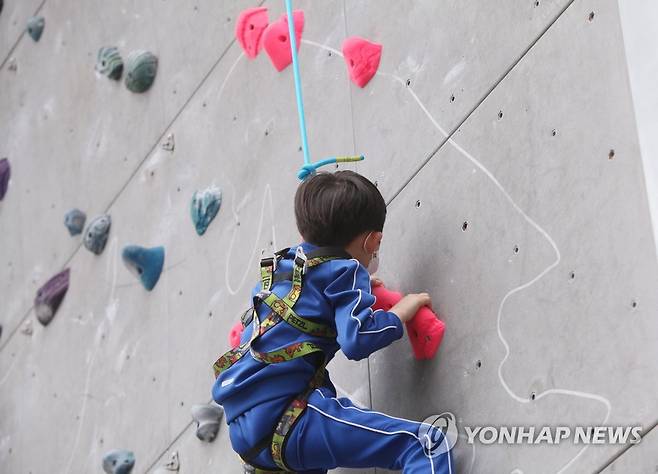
{"x": 522, "y": 153}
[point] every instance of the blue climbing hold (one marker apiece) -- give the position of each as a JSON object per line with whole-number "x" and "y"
{"x": 118, "y": 461}
{"x": 204, "y": 208}
{"x": 145, "y": 263}
{"x": 96, "y": 234}
{"x": 35, "y": 27}
{"x": 74, "y": 220}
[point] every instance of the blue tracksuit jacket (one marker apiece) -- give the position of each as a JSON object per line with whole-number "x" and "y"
{"x": 255, "y": 394}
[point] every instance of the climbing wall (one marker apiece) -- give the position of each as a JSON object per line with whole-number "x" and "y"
{"x": 502, "y": 135}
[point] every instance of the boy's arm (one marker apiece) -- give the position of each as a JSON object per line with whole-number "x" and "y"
{"x": 360, "y": 330}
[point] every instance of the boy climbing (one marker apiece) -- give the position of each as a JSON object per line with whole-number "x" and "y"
{"x": 313, "y": 300}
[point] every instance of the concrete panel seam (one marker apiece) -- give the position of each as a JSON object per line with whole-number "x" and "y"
{"x": 477, "y": 105}
{"x": 623, "y": 450}
{"x": 20, "y": 37}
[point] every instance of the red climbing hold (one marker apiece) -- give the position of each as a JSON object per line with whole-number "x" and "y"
{"x": 235, "y": 335}
{"x": 276, "y": 39}
{"x": 249, "y": 29}
{"x": 362, "y": 58}
{"x": 425, "y": 330}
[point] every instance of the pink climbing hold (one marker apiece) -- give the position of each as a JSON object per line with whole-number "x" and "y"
{"x": 276, "y": 39}
{"x": 362, "y": 58}
{"x": 235, "y": 335}
{"x": 425, "y": 330}
{"x": 249, "y": 29}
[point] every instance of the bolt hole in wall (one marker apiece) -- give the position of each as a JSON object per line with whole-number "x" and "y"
{"x": 591, "y": 17}
{"x": 533, "y": 395}
{"x": 554, "y": 132}
{"x": 500, "y": 115}
{"x": 634, "y": 304}
{"x": 478, "y": 364}
{"x": 452, "y": 98}
{"x": 537, "y": 3}
{"x": 465, "y": 226}
{"x": 611, "y": 154}
{"x": 572, "y": 275}
{"x": 516, "y": 249}
{"x": 418, "y": 203}
{"x": 408, "y": 82}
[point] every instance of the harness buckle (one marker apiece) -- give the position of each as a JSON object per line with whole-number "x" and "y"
{"x": 301, "y": 259}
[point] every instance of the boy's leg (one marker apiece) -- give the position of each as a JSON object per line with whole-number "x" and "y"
{"x": 333, "y": 432}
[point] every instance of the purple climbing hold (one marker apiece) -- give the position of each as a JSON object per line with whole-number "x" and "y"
{"x": 5, "y": 174}
{"x": 50, "y": 296}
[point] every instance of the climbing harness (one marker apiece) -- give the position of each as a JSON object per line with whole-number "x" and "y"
{"x": 282, "y": 309}
{"x": 308, "y": 168}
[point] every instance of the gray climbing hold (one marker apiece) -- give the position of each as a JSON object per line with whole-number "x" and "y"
{"x": 50, "y": 296}
{"x": 35, "y": 27}
{"x": 207, "y": 418}
{"x": 118, "y": 461}
{"x": 141, "y": 68}
{"x": 169, "y": 144}
{"x": 204, "y": 208}
{"x": 109, "y": 62}
{"x": 96, "y": 234}
{"x": 74, "y": 220}
{"x": 27, "y": 328}
{"x": 145, "y": 263}
{"x": 5, "y": 174}
{"x": 173, "y": 465}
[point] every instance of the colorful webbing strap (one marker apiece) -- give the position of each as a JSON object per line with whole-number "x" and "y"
{"x": 291, "y": 416}
{"x": 282, "y": 310}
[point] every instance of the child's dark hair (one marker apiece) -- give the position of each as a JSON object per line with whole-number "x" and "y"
{"x": 333, "y": 208}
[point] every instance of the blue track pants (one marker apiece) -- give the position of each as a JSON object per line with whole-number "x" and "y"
{"x": 333, "y": 432}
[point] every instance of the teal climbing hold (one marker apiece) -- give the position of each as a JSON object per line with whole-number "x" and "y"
{"x": 141, "y": 68}
{"x": 118, "y": 461}
{"x": 96, "y": 234}
{"x": 204, "y": 208}
{"x": 35, "y": 27}
{"x": 145, "y": 263}
{"x": 109, "y": 62}
{"x": 74, "y": 220}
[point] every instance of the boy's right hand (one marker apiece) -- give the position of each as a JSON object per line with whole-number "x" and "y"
{"x": 409, "y": 305}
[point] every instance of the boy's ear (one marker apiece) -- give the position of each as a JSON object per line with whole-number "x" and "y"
{"x": 373, "y": 241}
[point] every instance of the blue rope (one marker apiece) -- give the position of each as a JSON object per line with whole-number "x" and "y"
{"x": 308, "y": 168}
{"x": 298, "y": 82}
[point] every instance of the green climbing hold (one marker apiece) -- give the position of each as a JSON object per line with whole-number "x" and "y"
{"x": 118, "y": 461}
{"x": 35, "y": 27}
{"x": 109, "y": 62}
{"x": 141, "y": 68}
{"x": 204, "y": 208}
